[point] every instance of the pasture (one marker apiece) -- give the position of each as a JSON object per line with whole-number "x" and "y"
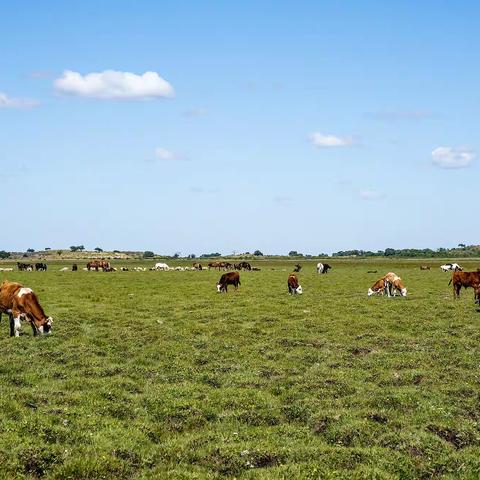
{"x": 155, "y": 375}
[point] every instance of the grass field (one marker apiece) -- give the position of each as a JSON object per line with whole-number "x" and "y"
{"x": 155, "y": 375}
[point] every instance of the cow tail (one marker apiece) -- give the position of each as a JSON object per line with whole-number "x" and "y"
{"x": 450, "y": 281}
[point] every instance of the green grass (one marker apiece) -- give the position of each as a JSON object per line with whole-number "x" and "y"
{"x": 155, "y": 375}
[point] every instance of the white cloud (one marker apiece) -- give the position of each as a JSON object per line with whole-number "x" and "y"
{"x": 12, "y": 102}
{"x": 167, "y": 155}
{"x": 111, "y": 84}
{"x": 370, "y": 195}
{"x": 321, "y": 140}
{"x": 451, "y": 157}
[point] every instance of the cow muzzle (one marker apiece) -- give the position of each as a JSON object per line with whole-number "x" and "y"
{"x": 299, "y": 290}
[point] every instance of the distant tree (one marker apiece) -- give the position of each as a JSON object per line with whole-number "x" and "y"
{"x": 389, "y": 252}
{"x": 4, "y": 254}
{"x": 192, "y": 255}
{"x": 208, "y": 255}
{"x": 116, "y": 251}
{"x": 148, "y": 254}
{"x": 461, "y": 245}
{"x": 59, "y": 252}
{"x": 176, "y": 254}
{"x": 258, "y": 253}
{"x": 247, "y": 253}
{"x": 73, "y": 248}
{"x": 98, "y": 249}
{"x": 47, "y": 249}
{"x": 30, "y": 250}
{"x": 81, "y": 248}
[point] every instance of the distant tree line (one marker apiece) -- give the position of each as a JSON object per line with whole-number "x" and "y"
{"x": 461, "y": 251}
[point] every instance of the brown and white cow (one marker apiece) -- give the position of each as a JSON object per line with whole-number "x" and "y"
{"x": 393, "y": 283}
{"x": 20, "y": 303}
{"x": 465, "y": 280}
{"x": 293, "y": 286}
{"x": 390, "y": 284}
{"x": 230, "y": 278}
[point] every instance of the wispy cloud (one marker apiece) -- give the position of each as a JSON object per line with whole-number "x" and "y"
{"x": 41, "y": 74}
{"x": 17, "y": 102}
{"x": 371, "y": 195}
{"x": 283, "y": 200}
{"x": 451, "y": 157}
{"x": 321, "y": 140}
{"x": 400, "y": 115}
{"x": 114, "y": 85}
{"x": 167, "y": 155}
{"x": 195, "y": 112}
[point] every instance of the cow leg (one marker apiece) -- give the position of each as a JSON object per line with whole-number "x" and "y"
{"x": 17, "y": 326}
{"x": 34, "y": 329}
{"x": 12, "y": 324}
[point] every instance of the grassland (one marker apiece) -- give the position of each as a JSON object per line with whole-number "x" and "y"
{"x": 155, "y": 375}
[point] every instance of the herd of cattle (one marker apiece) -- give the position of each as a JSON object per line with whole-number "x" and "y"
{"x": 21, "y": 304}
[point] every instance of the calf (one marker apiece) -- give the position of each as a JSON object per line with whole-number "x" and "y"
{"x": 230, "y": 278}
{"x": 293, "y": 286}
{"x": 20, "y": 303}
{"x": 465, "y": 280}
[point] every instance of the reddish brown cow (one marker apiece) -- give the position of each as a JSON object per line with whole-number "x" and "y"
{"x": 20, "y": 303}
{"x": 465, "y": 280}
{"x": 230, "y": 278}
{"x": 293, "y": 286}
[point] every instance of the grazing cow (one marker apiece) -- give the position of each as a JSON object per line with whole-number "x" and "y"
{"x": 74, "y": 267}
{"x": 219, "y": 265}
{"x": 25, "y": 267}
{"x": 465, "y": 280}
{"x": 323, "y": 267}
{"x": 161, "y": 266}
{"x": 124, "y": 269}
{"x": 293, "y": 286}
{"x": 20, "y": 303}
{"x": 230, "y": 278}
{"x": 297, "y": 268}
{"x": 393, "y": 283}
{"x": 64, "y": 269}
{"x": 197, "y": 266}
{"x": 389, "y": 284}
{"x": 41, "y": 267}
{"x": 424, "y": 267}
{"x": 255, "y": 269}
{"x": 97, "y": 264}
{"x": 372, "y": 271}
{"x": 451, "y": 266}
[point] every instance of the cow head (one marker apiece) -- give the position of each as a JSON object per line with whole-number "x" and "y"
{"x": 45, "y": 328}
{"x": 299, "y": 290}
{"x": 403, "y": 292}
{"x": 220, "y": 288}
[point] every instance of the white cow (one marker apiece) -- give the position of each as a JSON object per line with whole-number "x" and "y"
{"x": 323, "y": 267}
{"x": 451, "y": 266}
{"x": 161, "y": 266}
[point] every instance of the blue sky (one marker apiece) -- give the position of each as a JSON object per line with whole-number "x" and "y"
{"x": 310, "y": 126}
